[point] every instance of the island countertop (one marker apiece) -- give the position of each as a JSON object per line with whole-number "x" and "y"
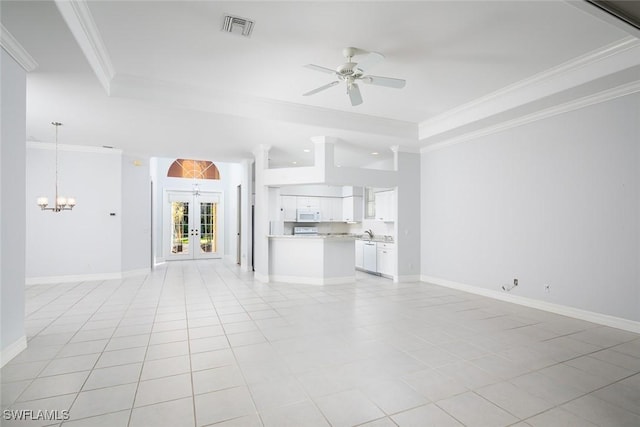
{"x": 314, "y": 236}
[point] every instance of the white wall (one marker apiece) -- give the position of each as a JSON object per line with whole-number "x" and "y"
{"x": 12, "y": 206}
{"x": 87, "y": 240}
{"x": 136, "y": 214}
{"x": 556, "y": 202}
{"x": 246, "y": 171}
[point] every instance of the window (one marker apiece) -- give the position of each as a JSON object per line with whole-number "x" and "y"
{"x": 197, "y": 169}
{"x": 369, "y": 203}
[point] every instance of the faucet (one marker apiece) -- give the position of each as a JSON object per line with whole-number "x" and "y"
{"x": 370, "y": 233}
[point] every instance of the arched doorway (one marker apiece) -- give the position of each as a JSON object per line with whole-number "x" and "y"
{"x": 193, "y": 217}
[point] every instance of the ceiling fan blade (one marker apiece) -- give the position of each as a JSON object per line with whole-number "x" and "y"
{"x": 321, "y": 88}
{"x": 354, "y": 94}
{"x": 319, "y": 68}
{"x": 369, "y": 61}
{"x": 384, "y": 81}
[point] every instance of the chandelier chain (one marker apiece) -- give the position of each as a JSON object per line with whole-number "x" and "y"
{"x": 56, "y": 124}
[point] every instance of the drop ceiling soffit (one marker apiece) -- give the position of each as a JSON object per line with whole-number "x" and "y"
{"x": 607, "y": 60}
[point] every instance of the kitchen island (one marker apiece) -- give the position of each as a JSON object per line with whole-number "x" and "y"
{"x": 315, "y": 260}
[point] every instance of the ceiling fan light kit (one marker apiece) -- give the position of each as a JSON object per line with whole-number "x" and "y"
{"x": 352, "y": 72}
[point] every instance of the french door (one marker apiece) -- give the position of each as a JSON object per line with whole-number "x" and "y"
{"x": 192, "y": 225}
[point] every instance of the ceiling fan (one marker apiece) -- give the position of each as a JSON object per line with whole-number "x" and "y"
{"x": 353, "y": 72}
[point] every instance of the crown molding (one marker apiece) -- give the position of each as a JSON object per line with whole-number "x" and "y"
{"x": 78, "y": 17}
{"x": 404, "y": 149}
{"x": 621, "y": 55}
{"x": 75, "y": 148}
{"x": 16, "y": 50}
{"x": 603, "y": 96}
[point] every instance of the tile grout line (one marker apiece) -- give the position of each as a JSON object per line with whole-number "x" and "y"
{"x": 58, "y": 352}
{"x": 103, "y": 350}
{"x": 222, "y": 281}
{"x": 148, "y": 277}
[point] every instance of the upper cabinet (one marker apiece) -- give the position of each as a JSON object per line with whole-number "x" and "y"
{"x": 308, "y": 202}
{"x": 352, "y": 209}
{"x": 331, "y": 209}
{"x": 288, "y": 206}
{"x": 385, "y": 206}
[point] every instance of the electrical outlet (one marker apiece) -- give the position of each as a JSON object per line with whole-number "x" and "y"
{"x": 547, "y": 288}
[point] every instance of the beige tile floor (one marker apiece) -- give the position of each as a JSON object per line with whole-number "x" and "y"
{"x": 200, "y": 343}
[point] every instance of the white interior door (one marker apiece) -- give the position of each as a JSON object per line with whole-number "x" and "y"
{"x": 192, "y": 225}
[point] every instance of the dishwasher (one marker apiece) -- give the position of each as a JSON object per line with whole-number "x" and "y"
{"x": 370, "y": 255}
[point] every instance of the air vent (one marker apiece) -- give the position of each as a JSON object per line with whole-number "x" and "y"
{"x": 237, "y": 25}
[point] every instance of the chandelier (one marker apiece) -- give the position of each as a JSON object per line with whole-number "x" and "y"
{"x": 61, "y": 203}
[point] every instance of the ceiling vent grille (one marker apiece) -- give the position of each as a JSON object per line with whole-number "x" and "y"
{"x": 237, "y": 25}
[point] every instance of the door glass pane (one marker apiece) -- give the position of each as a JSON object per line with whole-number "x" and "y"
{"x": 180, "y": 227}
{"x": 208, "y": 212}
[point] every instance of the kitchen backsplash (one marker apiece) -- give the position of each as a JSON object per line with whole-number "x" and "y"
{"x": 323, "y": 227}
{"x": 378, "y": 228}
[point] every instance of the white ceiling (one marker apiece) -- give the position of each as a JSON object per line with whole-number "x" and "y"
{"x": 181, "y": 87}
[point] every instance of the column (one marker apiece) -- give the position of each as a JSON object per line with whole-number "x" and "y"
{"x": 407, "y": 221}
{"x": 261, "y": 215}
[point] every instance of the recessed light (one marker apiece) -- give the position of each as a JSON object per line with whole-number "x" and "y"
{"x": 375, "y": 153}
{"x": 306, "y": 150}
{"x": 295, "y": 163}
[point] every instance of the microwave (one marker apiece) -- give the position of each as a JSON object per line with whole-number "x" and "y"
{"x": 308, "y": 215}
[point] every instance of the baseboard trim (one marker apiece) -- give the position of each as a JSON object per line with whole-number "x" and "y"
{"x": 48, "y": 280}
{"x": 318, "y": 281}
{"x": 12, "y": 350}
{"x": 407, "y": 278}
{"x": 577, "y": 313}
{"x": 136, "y": 273}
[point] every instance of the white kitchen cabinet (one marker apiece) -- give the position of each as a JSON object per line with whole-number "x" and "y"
{"x": 336, "y": 208}
{"x": 307, "y": 202}
{"x": 288, "y": 206}
{"x": 352, "y": 209}
{"x": 385, "y": 258}
{"x": 385, "y": 206}
{"x": 359, "y": 254}
{"x": 331, "y": 209}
